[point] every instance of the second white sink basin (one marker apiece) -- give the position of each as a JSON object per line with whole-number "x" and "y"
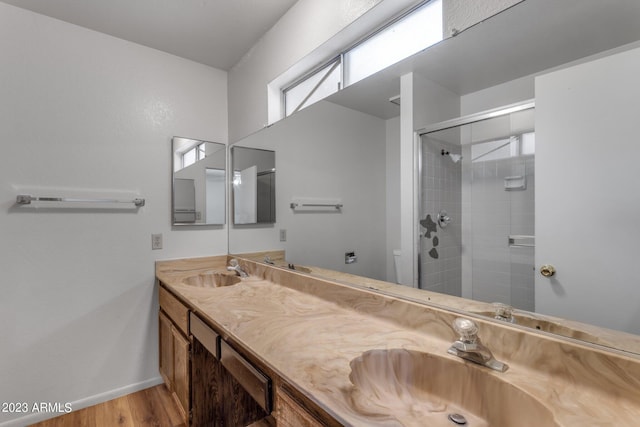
{"x": 212, "y": 280}
{"x": 400, "y": 387}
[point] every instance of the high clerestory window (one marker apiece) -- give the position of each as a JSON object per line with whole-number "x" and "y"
{"x": 192, "y": 155}
{"x": 400, "y": 38}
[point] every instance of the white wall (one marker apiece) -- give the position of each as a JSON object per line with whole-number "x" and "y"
{"x": 84, "y": 111}
{"x": 325, "y": 152}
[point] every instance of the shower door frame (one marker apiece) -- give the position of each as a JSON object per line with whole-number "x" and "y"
{"x": 449, "y": 124}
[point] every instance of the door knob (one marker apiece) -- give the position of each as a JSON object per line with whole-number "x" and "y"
{"x": 547, "y": 270}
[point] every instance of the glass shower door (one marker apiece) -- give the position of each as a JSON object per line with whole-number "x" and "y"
{"x": 477, "y": 210}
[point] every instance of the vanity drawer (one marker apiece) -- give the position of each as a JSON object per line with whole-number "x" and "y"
{"x": 207, "y": 337}
{"x": 253, "y": 381}
{"x": 175, "y": 310}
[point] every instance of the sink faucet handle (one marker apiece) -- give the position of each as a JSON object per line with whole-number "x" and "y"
{"x": 503, "y": 312}
{"x": 466, "y": 329}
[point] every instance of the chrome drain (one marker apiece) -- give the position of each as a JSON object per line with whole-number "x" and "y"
{"x": 458, "y": 419}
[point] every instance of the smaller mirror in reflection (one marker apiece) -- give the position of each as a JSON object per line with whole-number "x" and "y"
{"x": 254, "y": 185}
{"x": 199, "y": 176}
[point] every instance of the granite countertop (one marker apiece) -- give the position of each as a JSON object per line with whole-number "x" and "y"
{"x": 308, "y": 331}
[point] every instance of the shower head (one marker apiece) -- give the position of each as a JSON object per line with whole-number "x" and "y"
{"x": 455, "y": 158}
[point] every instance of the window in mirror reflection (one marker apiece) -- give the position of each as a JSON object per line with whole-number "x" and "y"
{"x": 414, "y": 32}
{"x": 314, "y": 88}
{"x": 514, "y": 146}
{"x": 400, "y": 38}
{"x": 193, "y": 155}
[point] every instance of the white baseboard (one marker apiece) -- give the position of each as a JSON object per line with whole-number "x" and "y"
{"x": 84, "y": 403}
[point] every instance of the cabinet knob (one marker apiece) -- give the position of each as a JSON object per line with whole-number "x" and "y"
{"x": 547, "y": 270}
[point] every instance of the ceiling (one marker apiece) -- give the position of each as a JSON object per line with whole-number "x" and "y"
{"x": 212, "y": 32}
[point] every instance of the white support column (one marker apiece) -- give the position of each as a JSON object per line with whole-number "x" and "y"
{"x": 407, "y": 182}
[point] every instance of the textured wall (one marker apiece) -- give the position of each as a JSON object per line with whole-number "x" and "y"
{"x": 461, "y": 14}
{"x": 85, "y": 112}
{"x": 325, "y": 151}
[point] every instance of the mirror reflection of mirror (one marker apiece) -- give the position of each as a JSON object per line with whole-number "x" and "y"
{"x": 254, "y": 185}
{"x": 199, "y": 180}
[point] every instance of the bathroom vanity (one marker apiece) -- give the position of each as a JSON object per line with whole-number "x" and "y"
{"x": 291, "y": 349}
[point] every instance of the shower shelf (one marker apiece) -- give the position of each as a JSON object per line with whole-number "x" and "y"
{"x": 512, "y": 183}
{"x": 522, "y": 241}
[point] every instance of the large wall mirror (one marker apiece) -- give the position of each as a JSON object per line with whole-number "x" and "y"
{"x": 554, "y": 161}
{"x": 199, "y": 182}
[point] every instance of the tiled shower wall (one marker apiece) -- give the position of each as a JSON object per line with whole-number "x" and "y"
{"x": 441, "y": 189}
{"x": 476, "y": 249}
{"x": 500, "y": 272}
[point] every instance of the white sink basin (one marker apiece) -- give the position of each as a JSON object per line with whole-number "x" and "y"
{"x": 400, "y": 387}
{"x": 212, "y": 280}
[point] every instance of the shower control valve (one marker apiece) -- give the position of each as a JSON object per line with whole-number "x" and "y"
{"x": 443, "y": 219}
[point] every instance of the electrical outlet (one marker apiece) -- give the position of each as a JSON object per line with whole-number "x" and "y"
{"x": 156, "y": 241}
{"x": 283, "y": 235}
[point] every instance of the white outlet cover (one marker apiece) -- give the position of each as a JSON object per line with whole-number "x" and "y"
{"x": 156, "y": 241}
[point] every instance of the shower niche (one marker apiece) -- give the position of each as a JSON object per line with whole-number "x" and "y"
{"x": 477, "y": 186}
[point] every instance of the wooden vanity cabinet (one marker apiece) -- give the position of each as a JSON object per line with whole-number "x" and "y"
{"x": 175, "y": 348}
{"x": 291, "y": 413}
{"x": 212, "y": 382}
{"x": 222, "y": 382}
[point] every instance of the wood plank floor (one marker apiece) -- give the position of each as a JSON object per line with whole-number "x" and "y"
{"x": 151, "y": 407}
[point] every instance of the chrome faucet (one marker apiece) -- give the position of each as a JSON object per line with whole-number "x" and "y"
{"x": 234, "y": 266}
{"x": 503, "y": 312}
{"x": 469, "y": 347}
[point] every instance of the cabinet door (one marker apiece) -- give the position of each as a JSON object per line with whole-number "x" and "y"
{"x": 166, "y": 350}
{"x": 291, "y": 414}
{"x": 175, "y": 310}
{"x": 181, "y": 373}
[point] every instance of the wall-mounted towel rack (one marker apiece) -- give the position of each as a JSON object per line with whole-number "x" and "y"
{"x": 316, "y": 205}
{"x": 26, "y": 199}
